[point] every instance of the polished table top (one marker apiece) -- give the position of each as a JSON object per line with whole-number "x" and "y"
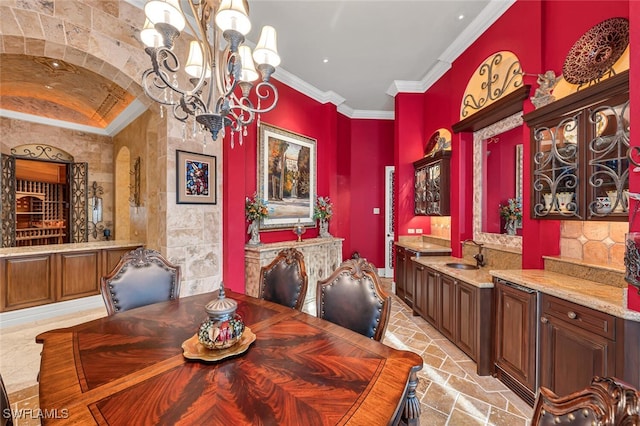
{"x": 129, "y": 369}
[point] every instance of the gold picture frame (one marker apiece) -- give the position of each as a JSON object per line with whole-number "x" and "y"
{"x": 286, "y": 177}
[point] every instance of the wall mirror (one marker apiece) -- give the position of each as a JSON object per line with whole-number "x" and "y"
{"x": 497, "y": 176}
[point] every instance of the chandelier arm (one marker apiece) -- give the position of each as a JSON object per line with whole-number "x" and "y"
{"x": 200, "y": 32}
{"x": 163, "y": 61}
{"x": 152, "y": 82}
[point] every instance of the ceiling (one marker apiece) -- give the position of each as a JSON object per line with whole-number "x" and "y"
{"x": 373, "y": 49}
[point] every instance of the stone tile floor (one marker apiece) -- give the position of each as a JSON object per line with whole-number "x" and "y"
{"x": 450, "y": 391}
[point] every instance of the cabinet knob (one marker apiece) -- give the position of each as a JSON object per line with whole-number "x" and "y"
{"x": 544, "y": 320}
{"x": 572, "y": 315}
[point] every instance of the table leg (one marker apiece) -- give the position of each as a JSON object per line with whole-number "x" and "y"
{"x": 411, "y": 412}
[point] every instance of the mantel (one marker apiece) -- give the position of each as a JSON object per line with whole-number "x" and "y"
{"x": 321, "y": 257}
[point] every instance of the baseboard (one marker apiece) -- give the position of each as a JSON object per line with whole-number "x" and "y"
{"x": 37, "y": 313}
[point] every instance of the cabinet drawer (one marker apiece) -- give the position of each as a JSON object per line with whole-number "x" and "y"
{"x": 580, "y": 316}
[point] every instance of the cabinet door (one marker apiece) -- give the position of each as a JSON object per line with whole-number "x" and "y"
{"x": 420, "y": 290}
{"x": 432, "y": 283}
{"x": 570, "y": 356}
{"x": 80, "y": 274}
{"x": 516, "y": 334}
{"x": 466, "y": 323}
{"x": 400, "y": 270}
{"x": 447, "y": 306}
{"x": 26, "y": 281}
{"x": 409, "y": 278}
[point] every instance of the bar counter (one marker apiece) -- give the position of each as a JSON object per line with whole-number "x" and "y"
{"x": 38, "y": 275}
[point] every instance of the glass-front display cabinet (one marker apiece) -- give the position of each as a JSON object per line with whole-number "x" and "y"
{"x": 432, "y": 184}
{"x": 580, "y": 149}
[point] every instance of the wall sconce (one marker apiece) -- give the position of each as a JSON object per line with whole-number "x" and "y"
{"x": 95, "y": 212}
{"x": 134, "y": 199}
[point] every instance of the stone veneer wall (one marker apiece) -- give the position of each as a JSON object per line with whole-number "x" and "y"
{"x": 599, "y": 243}
{"x": 93, "y": 149}
{"x": 103, "y": 36}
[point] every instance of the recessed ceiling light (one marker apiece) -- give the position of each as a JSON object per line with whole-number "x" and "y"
{"x": 46, "y": 86}
{"x": 461, "y": 17}
{"x": 325, "y": 60}
{"x": 55, "y": 64}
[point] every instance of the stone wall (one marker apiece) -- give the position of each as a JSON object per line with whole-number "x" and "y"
{"x": 102, "y": 36}
{"x": 598, "y": 243}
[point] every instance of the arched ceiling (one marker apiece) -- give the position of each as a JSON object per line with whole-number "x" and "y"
{"x": 58, "y": 90}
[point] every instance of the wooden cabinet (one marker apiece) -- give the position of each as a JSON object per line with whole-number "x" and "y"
{"x": 406, "y": 274}
{"x": 80, "y": 274}
{"x": 460, "y": 311}
{"x": 466, "y": 318}
{"x": 27, "y": 281}
{"x": 420, "y": 289}
{"x": 432, "y": 295}
{"x": 576, "y": 343}
{"x": 447, "y": 306}
{"x": 37, "y": 279}
{"x": 580, "y": 149}
{"x": 515, "y": 349}
{"x": 431, "y": 184}
{"x": 400, "y": 269}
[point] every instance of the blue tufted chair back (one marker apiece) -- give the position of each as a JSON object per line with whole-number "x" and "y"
{"x": 142, "y": 277}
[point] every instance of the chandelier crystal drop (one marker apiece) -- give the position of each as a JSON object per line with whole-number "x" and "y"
{"x": 215, "y": 84}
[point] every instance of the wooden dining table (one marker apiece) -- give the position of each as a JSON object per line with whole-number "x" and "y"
{"x": 129, "y": 369}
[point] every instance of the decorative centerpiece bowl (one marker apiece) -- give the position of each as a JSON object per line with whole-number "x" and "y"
{"x": 224, "y": 327}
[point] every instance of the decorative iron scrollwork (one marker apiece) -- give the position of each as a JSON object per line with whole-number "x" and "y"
{"x": 42, "y": 152}
{"x": 78, "y": 211}
{"x": 556, "y": 169}
{"x": 497, "y": 83}
{"x": 609, "y": 163}
{"x": 8, "y": 207}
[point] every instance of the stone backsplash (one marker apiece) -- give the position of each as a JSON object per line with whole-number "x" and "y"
{"x": 597, "y": 243}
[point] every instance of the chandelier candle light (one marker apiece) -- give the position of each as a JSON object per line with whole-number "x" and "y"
{"x": 214, "y": 72}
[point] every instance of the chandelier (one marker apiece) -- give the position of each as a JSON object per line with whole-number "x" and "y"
{"x": 218, "y": 63}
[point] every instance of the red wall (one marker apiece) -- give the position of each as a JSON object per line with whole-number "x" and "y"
{"x": 371, "y": 150}
{"x": 351, "y": 155}
{"x": 540, "y": 35}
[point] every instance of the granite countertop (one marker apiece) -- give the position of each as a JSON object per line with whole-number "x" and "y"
{"x": 476, "y": 277}
{"x": 601, "y": 297}
{"x": 423, "y": 247}
{"x": 65, "y": 248}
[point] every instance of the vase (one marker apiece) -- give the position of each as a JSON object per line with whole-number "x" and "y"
{"x": 510, "y": 227}
{"x": 324, "y": 228}
{"x": 253, "y": 231}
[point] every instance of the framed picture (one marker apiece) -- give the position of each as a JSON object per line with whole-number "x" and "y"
{"x": 286, "y": 177}
{"x": 196, "y": 178}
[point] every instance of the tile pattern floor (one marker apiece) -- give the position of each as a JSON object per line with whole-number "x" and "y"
{"x": 450, "y": 391}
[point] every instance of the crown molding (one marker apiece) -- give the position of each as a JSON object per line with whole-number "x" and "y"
{"x": 483, "y": 21}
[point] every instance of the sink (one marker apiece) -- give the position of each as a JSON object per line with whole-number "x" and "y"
{"x": 461, "y": 266}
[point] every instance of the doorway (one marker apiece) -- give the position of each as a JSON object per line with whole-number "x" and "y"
{"x": 389, "y": 229}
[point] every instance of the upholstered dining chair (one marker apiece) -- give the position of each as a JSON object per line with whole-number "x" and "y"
{"x": 141, "y": 277}
{"x": 353, "y": 298}
{"x": 607, "y": 401}
{"x": 6, "y": 415}
{"x": 284, "y": 280}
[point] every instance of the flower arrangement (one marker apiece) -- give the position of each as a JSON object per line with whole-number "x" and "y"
{"x": 323, "y": 208}
{"x": 512, "y": 210}
{"x": 255, "y": 208}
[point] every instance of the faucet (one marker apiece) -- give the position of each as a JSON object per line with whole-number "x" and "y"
{"x": 479, "y": 257}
